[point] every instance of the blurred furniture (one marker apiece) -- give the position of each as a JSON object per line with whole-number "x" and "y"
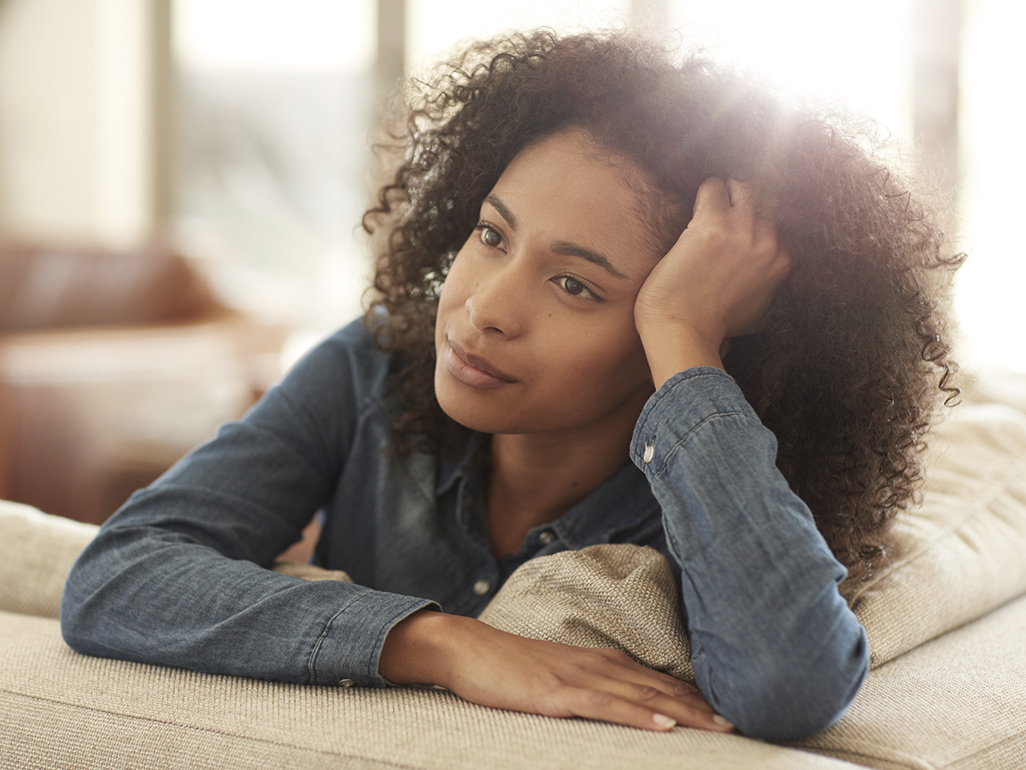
{"x": 113, "y": 365}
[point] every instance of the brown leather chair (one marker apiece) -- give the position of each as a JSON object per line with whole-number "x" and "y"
{"x": 113, "y": 365}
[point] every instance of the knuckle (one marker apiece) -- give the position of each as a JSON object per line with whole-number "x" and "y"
{"x": 685, "y": 690}
{"x": 618, "y": 656}
{"x": 600, "y": 656}
{"x": 717, "y": 235}
{"x": 552, "y": 680}
{"x": 645, "y": 692}
{"x": 599, "y": 700}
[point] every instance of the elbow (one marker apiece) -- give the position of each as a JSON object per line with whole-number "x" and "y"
{"x": 786, "y": 702}
{"x": 73, "y": 625}
{"x": 80, "y": 617}
{"x": 792, "y": 710}
{"x": 72, "y": 633}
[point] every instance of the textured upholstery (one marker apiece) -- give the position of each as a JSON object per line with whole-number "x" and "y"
{"x": 62, "y": 710}
{"x": 620, "y": 596}
{"x": 947, "y": 689}
{"x": 961, "y": 553}
{"x": 956, "y": 702}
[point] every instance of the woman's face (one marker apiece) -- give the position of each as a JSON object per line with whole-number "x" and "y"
{"x": 535, "y": 329}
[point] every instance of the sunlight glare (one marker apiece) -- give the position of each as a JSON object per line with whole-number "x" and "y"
{"x": 274, "y": 35}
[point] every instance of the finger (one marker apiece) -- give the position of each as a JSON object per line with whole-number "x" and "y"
{"x": 663, "y": 693}
{"x": 691, "y": 709}
{"x": 651, "y": 715}
{"x": 642, "y": 674}
{"x": 635, "y": 673}
{"x": 712, "y": 196}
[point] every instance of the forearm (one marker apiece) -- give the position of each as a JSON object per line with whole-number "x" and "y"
{"x": 774, "y": 646}
{"x": 159, "y": 597}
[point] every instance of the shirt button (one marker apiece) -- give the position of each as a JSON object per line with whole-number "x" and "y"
{"x": 546, "y": 537}
{"x": 481, "y": 587}
{"x": 346, "y": 682}
{"x": 649, "y": 453}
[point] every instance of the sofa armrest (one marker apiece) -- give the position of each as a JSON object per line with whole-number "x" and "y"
{"x": 36, "y": 554}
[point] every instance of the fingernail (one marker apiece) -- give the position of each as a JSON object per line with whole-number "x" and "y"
{"x": 721, "y": 721}
{"x": 663, "y": 721}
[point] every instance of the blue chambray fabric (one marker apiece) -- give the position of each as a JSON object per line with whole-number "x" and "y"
{"x": 178, "y": 576}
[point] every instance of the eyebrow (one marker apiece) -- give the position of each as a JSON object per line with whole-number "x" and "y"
{"x": 564, "y": 248}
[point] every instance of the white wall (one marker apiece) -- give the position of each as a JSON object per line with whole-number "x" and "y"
{"x": 75, "y": 144}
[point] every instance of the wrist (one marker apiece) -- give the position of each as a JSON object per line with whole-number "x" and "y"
{"x": 673, "y": 349}
{"x": 423, "y": 648}
{"x": 414, "y": 650}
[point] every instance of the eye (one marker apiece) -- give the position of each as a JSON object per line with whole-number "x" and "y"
{"x": 575, "y": 287}
{"x": 490, "y": 237}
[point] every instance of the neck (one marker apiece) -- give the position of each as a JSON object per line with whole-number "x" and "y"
{"x": 537, "y": 477}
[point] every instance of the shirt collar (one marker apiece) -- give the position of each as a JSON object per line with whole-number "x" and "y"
{"x": 453, "y": 469}
{"x": 621, "y": 502}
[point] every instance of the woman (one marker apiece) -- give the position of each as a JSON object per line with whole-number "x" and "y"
{"x": 619, "y": 300}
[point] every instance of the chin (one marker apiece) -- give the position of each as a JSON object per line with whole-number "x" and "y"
{"x": 479, "y": 419}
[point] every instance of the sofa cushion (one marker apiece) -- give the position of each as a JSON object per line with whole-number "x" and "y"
{"x": 955, "y": 702}
{"x": 619, "y": 596}
{"x": 63, "y": 710}
{"x": 36, "y": 554}
{"x": 959, "y": 554}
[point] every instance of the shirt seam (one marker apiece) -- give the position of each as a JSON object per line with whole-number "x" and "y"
{"x": 660, "y": 470}
{"x": 311, "y": 661}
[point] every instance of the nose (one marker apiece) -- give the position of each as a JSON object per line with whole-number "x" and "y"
{"x": 496, "y": 305}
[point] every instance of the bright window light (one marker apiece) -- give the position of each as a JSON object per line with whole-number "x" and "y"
{"x": 435, "y": 26}
{"x": 858, "y": 54}
{"x": 990, "y": 285}
{"x": 275, "y": 35}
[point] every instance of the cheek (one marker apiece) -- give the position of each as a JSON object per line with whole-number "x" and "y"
{"x": 451, "y": 294}
{"x": 453, "y": 291}
{"x": 605, "y": 361}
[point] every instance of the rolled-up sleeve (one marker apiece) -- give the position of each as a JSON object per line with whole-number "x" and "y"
{"x": 775, "y": 648}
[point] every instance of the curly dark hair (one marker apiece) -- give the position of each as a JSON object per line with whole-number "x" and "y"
{"x": 853, "y": 358}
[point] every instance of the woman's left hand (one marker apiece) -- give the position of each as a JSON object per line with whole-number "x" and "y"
{"x": 716, "y": 282}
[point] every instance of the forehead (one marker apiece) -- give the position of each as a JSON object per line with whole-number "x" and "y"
{"x": 566, "y": 187}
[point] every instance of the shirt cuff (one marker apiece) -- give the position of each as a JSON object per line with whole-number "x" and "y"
{"x": 681, "y": 406}
{"x": 348, "y": 651}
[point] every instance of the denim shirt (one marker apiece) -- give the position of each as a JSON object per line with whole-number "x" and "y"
{"x": 179, "y": 575}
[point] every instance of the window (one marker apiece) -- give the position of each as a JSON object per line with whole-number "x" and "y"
{"x": 274, "y": 108}
{"x": 277, "y": 100}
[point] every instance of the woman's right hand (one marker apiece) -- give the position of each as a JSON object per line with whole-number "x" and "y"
{"x": 494, "y": 668}
{"x": 717, "y": 281}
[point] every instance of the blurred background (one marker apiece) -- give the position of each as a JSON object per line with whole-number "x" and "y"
{"x": 181, "y": 184}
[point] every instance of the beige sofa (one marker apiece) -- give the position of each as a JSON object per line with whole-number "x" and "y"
{"x": 946, "y": 622}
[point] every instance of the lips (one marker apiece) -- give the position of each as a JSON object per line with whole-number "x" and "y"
{"x": 473, "y": 370}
